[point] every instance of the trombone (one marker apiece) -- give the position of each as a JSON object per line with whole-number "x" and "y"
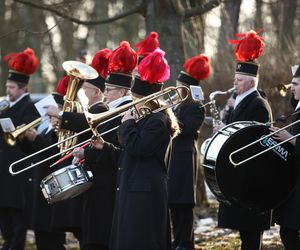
{"x": 95, "y": 120}
{"x": 235, "y": 164}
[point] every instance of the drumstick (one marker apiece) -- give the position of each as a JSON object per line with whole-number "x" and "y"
{"x": 67, "y": 156}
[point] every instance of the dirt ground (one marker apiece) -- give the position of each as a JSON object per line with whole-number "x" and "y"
{"x": 207, "y": 235}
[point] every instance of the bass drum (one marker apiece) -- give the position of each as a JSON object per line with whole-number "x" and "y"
{"x": 259, "y": 184}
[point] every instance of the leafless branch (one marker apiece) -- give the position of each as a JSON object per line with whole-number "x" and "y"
{"x": 135, "y": 9}
{"x": 197, "y": 11}
{"x": 270, "y": 2}
{"x": 29, "y": 31}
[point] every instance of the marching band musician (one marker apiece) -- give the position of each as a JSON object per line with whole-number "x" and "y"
{"x": 249, "y": 106}
{"x": 287, "y": 215}
{"x": 184, "y": 157}
{"x": 21, "y": 111}
{"x": 101, "y": 206}
{"x": 46, "y": 238}
{"x": 141, "y": 212}
{"x": 94, "y": 220}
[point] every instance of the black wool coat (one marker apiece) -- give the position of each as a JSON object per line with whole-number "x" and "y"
{"x": 288, "y": 214}
{"x": 74, "y": 208}
{"x": 252, "y": 108}
{"x": 39, "y": 211}
{"x": 99, "y": 200}
{"x": 12, "y": 188}
{"x": 140, "y": 215}
{"x": 184, "y": 157}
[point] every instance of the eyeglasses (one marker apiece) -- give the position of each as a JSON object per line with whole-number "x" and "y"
{"x": 85, "y": 87}
{"x": 110, "y": 89}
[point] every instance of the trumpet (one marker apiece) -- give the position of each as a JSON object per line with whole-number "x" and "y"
{"x": 235, "y": 164}
{"x": 11, "y": 137}
{"x": 283, "y": 88}
{"x": 95, "y": 120}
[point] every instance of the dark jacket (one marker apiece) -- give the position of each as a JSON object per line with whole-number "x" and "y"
{"x": 74, "y": 211}
{"x": 12, "y": 191}
{"x": 184, "y": 157}
{"x": 39, "y": 210}
{"x": 140, "y": 215}
{"x": 252, "y": 108}
{"x": 288, "y": 214}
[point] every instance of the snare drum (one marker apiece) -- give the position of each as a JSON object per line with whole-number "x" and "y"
{"x": 66, "y": 183}
{"x": 259, "y": 184}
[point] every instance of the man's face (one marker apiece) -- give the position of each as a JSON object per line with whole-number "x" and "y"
{"x": 113, "y": 93}
{"x": 90, "y": 90}
{"x": 13, "y": 90}
{"x": 295, "y": 88}
{"x": 242, "y": 83}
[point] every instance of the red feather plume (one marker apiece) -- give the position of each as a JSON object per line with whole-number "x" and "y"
{"x": 100, "y": 61}
{"x": 249, "y": 47}
{"x": 148, "y": 45}
{"x": 154, "y": 68}
{"x": 198, "y": 67}
{"x": 123, "y": 59}
{"x": 24, "y": 62}
{"x": 62, "y": 85}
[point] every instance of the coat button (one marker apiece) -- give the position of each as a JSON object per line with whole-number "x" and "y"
{"x": 118, "y": 189}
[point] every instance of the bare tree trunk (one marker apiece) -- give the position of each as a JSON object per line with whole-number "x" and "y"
{"x": 193, "y": 31}
{"x": 258, "y": 22}
{"x": 287, "y": 31}
{"x": 224, "y": 61}
{"x": 162, "y": 18}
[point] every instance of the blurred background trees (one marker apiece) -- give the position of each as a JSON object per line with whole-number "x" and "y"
{"x": 58, "y": 29}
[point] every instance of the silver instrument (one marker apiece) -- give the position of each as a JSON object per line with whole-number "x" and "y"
{"x": 216, "y": 120}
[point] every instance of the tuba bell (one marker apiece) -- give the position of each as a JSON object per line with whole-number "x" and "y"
{"x": 78, "y": 72}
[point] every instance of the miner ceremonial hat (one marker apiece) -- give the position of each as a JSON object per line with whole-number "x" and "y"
{"x": 100, "y": 63}
{"x": 247, "y": 49}
{"x": 22, "y": 65}
{"x": 148, "y": 45}
{"x": 196, "y": 68}
{"x": 122, "y": 62}
{"x": 153, "y": 71}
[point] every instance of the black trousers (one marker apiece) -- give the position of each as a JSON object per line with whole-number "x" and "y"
{"x": 290, "y": 238}
{"x": 13, "y": 228}
{"x": 46, "y": 240}
{"x": 182, "y": 217}
{"x": 251, "y": 239}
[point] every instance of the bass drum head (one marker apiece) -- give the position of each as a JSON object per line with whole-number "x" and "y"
{"x": 261, "y": 183}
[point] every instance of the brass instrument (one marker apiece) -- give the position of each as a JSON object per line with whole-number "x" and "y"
{"x": 77, "y": 72}
{"x": 258, "y": 141}
{"x": 283, "y": 88}
{"x": 96, "y": 120}
{"x": 216, "y": 120}
{"x": 181, "y": 91}
{"x": 11, "y": 137}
